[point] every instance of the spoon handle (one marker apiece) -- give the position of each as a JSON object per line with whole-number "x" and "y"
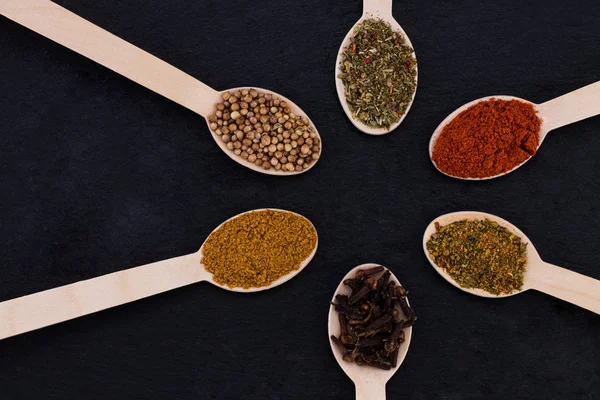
{"x": 567, "y": 285}
{"x": 370, "y": 391}
{"x": 376, "y": 8}
{"x": 49, "y": 307}
{"x": 66, "y": 28}
{"x": 572, "y": 107}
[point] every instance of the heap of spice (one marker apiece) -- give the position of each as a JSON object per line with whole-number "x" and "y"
{"x": 257, "y": 248}
{"x": 379, "y": 72}
{"x": 480, "y": 254}
{"x": 489, "y": 138}
{"x": 371, "y": 326}
{"x": 263, "y": 130}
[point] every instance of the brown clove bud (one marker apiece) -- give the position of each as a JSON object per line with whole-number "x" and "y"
{"x": 364, "y": 273}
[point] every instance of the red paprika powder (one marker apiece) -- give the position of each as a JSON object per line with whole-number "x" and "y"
{"x": 489, "y": 138}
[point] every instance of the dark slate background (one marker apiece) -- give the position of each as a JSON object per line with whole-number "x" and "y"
{"x": 98, "y": 174}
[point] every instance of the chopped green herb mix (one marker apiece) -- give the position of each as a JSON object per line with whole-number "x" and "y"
{"x": 480, "y": 254}
{"x": 379, "y": 72}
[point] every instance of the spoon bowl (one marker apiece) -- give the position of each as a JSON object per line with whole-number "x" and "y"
{"x": 369, "y": 381}
{"x": 533, "y": 258}
{"x": 70, "y": 30}
{"x": 209, "y": 277}
{"x": 49, "y": 307}
{"x": 438, "y": 131}
{"x": 539, "y": 275}
{"x": 569, "y": 108}
{"x": 381, "y": 9}
{"x": 217, "y": 97}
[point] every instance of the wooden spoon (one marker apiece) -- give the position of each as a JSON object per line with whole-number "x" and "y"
{"x": 381, "y": 9}
{"x": 564, "y": 110}
{"x": 67, "y": 302}
{"x": 369, "y": 381}
{"x": 68, "y": 29}
{"x": 559, "y": 282}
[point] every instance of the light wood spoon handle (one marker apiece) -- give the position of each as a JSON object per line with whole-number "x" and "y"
{"x": 572, "y": 107}
{"x": 372, "y": 391}
{"x": 567, "y": 285}
{"x": 62, "y": 26}
{"x": 377, "y": 7}
{"x": 52, "y": 306}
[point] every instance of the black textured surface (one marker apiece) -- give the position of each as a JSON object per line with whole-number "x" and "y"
{"x": 98, "y": 174}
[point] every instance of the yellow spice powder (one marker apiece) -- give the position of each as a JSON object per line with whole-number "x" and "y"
{"x": 258, "y": 247}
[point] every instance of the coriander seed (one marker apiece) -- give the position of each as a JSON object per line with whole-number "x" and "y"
{"x": 249, "y": 122}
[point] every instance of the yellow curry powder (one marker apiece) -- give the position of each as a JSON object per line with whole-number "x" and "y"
{"x": 258, "y": 247}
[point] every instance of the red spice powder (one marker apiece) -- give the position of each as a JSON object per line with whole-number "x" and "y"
{"x": 489, "y": 138}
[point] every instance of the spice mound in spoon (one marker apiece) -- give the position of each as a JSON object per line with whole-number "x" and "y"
{"x": 487, "y": 139}
{"x": 256, "y": 248}
{"x": 371, "y": 331}
{"x": 480, "y": 254}
{"x": 261, "y": 129}
{"x": 379, "y": 72}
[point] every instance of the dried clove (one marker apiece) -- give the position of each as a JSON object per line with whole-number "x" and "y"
{"x": 382, "y": 282}
{"x": 383, "y": 328}
{"x": 362, "y": 321}
{"x": 379, "y": 322}
{"x": 401, "y": 297}
{"x": 364, "y": 273}
{"x": 359, "y": 295}
{"x": 342, "y": 306}
{"x": 354, "y": 284}
{"x": 343, "y": 326}
{"x": 381, "y": 364}
{"x": 348, "y": 356}
{"x": 375, "y": 341}
{"x": 394, "y": 357}
{"x": 371, "y": 328}
{"x": 338, "y": 342}
{"x": 398, "y": 333}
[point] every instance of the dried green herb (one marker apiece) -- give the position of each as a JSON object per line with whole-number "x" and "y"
{"x": 379, "y": 72}
{"x": 480, "y": 254}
